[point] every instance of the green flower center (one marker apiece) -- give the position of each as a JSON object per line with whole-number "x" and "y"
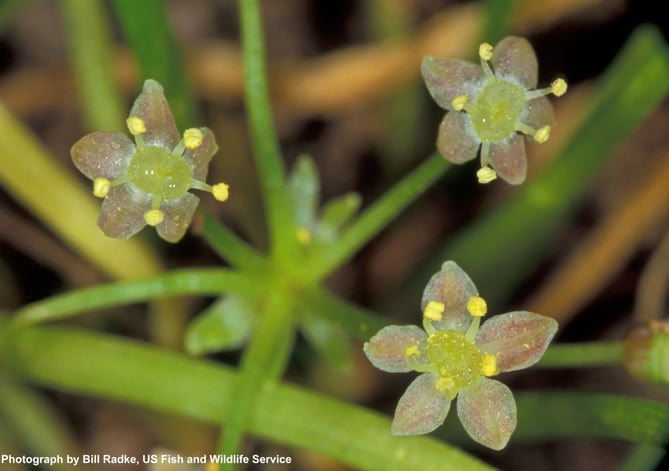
{"x": 155, "y": 171}
{"x": 456, "y": 359}
{"x": 497, "y": 109}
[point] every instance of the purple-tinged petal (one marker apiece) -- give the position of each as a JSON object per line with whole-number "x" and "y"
{"x": 198, "y": 159}
{"x": 538, "y": 113}
{"x": 487, "y": 411}
{"x": 102, "y": 154}
{"x": 178, "y": 215}
{"x": 518, "y": 339}
{"x": 452, "y": 287}
{"x": 454, "y": 141}
{"x": 449, "y": 78}
{"x": 509, "y": 160}
{"x": 122, "y": 213}
{"x": 387, "y": 349}
{"x": 152, "y": 107}
{"x": 514, "y": 57}
{"x": 421, "y": 409}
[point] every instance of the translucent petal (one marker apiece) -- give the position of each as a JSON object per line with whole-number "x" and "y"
{"x": 515, "y": 57}
{"x": 152, "y": 107}
{"x": 449, "y": 78}
{"x": 178, "y": 215}
{"x": 518, "y": 339}
{"x": 454, "y": 141}
{"x": 198, "y": 159}
{"x": 421, "y": 408}
{"x": 453, "y": 287}
{"x": 538, "y": 113}
{"x": 487, "y": 411}
{"x": 386, "y": 350}
{"x": 122, "y": 213}
{"x": 102, "y": 154}
{"x": 509, "y": 160}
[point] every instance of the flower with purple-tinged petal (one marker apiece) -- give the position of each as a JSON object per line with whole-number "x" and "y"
{"x": 147, "y": 182}
{"x": 456, "y": 358}
{"x": 488, "y": 106}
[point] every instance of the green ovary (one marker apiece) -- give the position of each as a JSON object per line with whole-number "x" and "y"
{"x": 155, "y": 171}
{"x": 497, "y": 109}
{"x": 455, "y": 358}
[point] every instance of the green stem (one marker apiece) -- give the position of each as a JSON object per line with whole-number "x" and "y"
{"x": 122, "y": 370}
{"x": 582, "y": 355}
{"x": 263, "y": 137}
{"x": 90, "y": 44}
{"x": 377, "y": 216}
{"x": 197, "y": 281}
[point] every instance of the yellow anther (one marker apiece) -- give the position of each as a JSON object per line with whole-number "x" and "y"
{"x": 303, "y": 236}
{"x": 489, "y": 365}
{"x": 559, "y": 87}
{"x": 485, "y": 51}
{"x": 101, "y": 187}
{"x": 411, "y": 351}
{"x": 444, "y": 384}
{"x": 459, "y": 102}
{"x": 434, "y": 310}
{"x": 542, "y": 134}
{"x": 476, "y": 306}
{"x": 153, "y": 217}
{"x": 135, "y": 125}
{"x": 486, "y": 175}
{"x": 193, "y": 138}
{"x": 221, "y": 191}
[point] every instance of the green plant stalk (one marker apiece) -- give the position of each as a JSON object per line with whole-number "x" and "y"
{"x": 513, "y": 238}
{"x": 112, "y": 368}
{"x": 90, "y": 45}
{"x": 643, "y": 458}
{"x": 263, "y": 363}
{"x": 45, "y": 188}
{"x": 377, "y": 216}
{"x": 582, "y": 355}
{"x": 265, "y": 145}
{"x": 146, "y": 27}
{"x": 202, "y": 281}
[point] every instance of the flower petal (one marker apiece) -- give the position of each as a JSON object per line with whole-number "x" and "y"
{"x": 198, "y": 159}
{"x": 152, "y": 107}
{"x": 509, "y": 160}
{"x": 102, "y": 154}
{"x": 452, "y": 287}
{"x": 177, "y": 216}
{"x": 122, "y": 213}
{"x": 514, "y": 57}
{"x": 386, "y": 350}
{"x": 487, "y": 411}
{"x": 421, "y": 408}
{"x": 454, "y": 142}
{"x": 538, "y": 113}
{"x": 449, "y": 78}
{"x": 518, "y": 339}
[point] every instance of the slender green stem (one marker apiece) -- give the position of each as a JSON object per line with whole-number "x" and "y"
{"x": 377, "y": 216}
{"x": 90, "y": 44}
{"x": 582, "y": 355}
{"x": 198, "y": 281}
{"x": 263, "y": 136}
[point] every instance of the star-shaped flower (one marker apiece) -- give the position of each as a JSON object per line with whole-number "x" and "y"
{"x": 456, "y": 358}
{"x": 148, "y": 182}
{"x": 489, "y": 105}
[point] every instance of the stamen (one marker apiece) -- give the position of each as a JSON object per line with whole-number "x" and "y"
{"x": 136, "y": 125}
{"x": 101, "y": 187}
{"x": 542, "y": 134}
{"x": 476, "y": 306}
{"x": 459, "y": 102}
{"x": 489, "y": 365}
{"x": 485, "y": 51}
{"x": 153, "y": 217}
{"x": 434, "y": 310}
{"x": 193, "y": 138}
{"x": 411, "y": 351}
{"x": 559, "y": 87}
{"x": 485, "y": 153}
{"x": 221, "y": 191}
{"x": 444, "y": 384}
{"x": 486, "y": 175}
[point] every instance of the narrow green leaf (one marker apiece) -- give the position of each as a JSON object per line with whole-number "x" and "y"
{"x": 304, "y": 186}
{"x": 225, "y": 325}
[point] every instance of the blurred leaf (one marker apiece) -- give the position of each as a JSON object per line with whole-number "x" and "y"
{"x": 335, "y": 214}
{"x": 328, "y": 339}
{"x": 225, "y": 325}
{"x": 304, "y": 187}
